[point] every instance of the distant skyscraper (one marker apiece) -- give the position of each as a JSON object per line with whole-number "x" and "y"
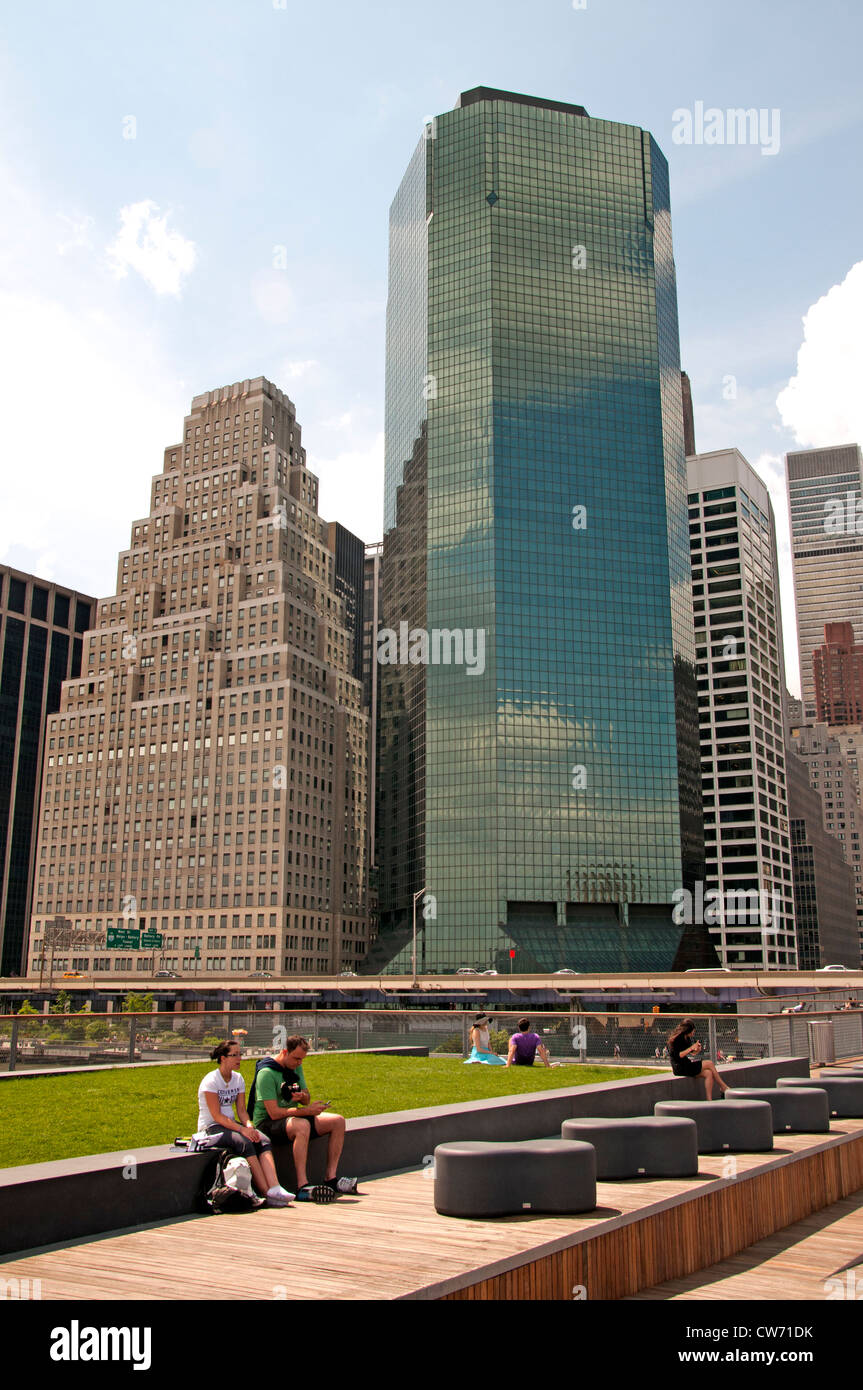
{"x": 740, "y": 667}
{"x": 688, "y": 416}
{"x": 825, "y": 501}
{"x": 824, "y": 893}
{"x": 40, "y": 646}
{"x": 833, "y": 773}
{"x": 538, "y": 782}
{"x": 838, "y": 671}
{"x": 206, "y": 775}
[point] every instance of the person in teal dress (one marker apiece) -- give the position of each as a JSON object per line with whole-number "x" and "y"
{"x": 480, "y": 1050}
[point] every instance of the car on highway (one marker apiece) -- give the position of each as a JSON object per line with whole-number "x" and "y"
{"x": 166, "y": 975}
{"x": 348, "y": 975}
{"x": 488, "y": 972}
{"x": 708, "y": 970}
{"x": 261, "y": 975}
{"x": 827, "y": 969}
{"x": 567, "y": 972}
{"x": 72, "y": 975}
{"x": 466, "y": 970}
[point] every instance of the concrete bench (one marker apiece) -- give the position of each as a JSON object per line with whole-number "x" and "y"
{"x": 647, "y": 1146}
{"x": 848, "y": 1070}
{"x": 479, "y": 1179}
{"x": 739, "y": 1126}
{"x": 803, "y": 1109}
{"x": 844, "y": 1093}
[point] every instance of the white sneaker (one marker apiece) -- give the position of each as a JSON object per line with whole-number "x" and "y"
{"x": 279, "y": 1197}
{"x": 347, "y": 1184}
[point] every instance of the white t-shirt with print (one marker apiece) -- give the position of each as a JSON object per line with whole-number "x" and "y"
{"x": 227, "y": 1091}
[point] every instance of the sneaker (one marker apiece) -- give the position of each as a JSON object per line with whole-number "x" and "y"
{"x": 279, "y": 1197}
{"x": 319, "y": 1192}
{"x": 344, "y": 1186}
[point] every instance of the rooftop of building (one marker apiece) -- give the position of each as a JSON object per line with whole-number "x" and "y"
{"x": 476, "y": 94}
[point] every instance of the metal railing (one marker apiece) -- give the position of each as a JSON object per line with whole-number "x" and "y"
{"x": 52, "y": 1040}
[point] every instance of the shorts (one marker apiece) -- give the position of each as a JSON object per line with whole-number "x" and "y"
{"x": 523, "y": 1061}
{"x": 686, "y": 1068}
{"x": 232, "y": 1139}
{"x": 276, "y": 1129}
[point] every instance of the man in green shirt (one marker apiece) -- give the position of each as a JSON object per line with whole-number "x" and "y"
{"x": 282, "y": 1109}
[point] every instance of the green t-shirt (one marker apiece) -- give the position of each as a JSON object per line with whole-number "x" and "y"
{"x": 268, "y": 1086}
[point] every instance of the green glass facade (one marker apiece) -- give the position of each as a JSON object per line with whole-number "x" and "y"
{"x": 548, "y": 798}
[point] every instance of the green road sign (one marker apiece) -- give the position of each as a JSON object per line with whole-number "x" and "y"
{"x": 151, "y": 940}
{"x": 124, "y": 938}
{"x": 197, "y": 953}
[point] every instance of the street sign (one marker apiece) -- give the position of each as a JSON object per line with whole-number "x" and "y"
{"x": 151, "y": 940}
{"x": 124, "y": 938}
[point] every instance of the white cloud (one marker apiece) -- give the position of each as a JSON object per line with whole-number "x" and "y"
{"x": 144, "y": 244}
{"x": 298, "y": 371}
{"x": 823, "y": 403}
{"x": 352, "y": 484}
{"x": 70, "y": 490}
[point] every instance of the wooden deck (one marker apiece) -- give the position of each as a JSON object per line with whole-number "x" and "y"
{"x": 794, "y": 1265}
{"x": 390, "y": 1243}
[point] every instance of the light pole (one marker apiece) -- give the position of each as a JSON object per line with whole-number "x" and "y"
{"x": 417, "y": 895}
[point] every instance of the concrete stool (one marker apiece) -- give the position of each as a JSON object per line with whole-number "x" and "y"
{"x": 646, "y": 1146}
{"x": 851, "y": 1069}
{"x": 801, "y": 1108}
{"x": 740, "y": 1126}
{"x": 478, "y": 1178}
{"x": 844, "y": 1093}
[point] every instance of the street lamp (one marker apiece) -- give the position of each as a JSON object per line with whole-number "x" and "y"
{"x": 417, "y": 895}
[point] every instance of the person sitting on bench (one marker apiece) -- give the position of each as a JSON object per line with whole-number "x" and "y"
{"x": 283, "y": 1109}
{"x": 220, "y": 1092}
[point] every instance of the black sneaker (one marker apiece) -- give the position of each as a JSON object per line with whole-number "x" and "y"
{"x": 321, "y": 1193}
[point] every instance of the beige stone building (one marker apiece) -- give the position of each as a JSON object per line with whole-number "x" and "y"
{"x": 206, "y": 775}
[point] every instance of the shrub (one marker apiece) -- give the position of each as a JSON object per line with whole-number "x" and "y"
{"x": 450, "y": 1044}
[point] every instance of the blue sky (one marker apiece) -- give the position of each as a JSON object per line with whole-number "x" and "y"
{"x": 156, "y": 156}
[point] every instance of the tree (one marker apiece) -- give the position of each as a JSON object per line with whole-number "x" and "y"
{"x": 137, "y": 1003}
{"x": 28, "y": 1030}
{"x": 62, "y": 1003}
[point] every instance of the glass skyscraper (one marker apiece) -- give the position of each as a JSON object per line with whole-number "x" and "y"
{"x": 538, "y": 779}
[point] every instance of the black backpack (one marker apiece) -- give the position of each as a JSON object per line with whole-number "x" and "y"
{"x": 216, "y": 1196}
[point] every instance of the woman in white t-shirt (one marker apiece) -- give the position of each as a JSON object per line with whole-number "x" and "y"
{"x": 480, "y": 1046}
{"x": 219, "y": 1094}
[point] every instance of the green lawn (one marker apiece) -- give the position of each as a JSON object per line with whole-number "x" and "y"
{"x": 96, "y": 1112}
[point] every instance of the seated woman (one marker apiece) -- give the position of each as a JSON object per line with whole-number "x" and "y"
{"x": 218, "y": 1094}
{"x": 480, "y": 1049}
{"x": 685, "y": 1051}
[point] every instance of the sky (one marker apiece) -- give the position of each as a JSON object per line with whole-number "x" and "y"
{"x": 198, "y": 193}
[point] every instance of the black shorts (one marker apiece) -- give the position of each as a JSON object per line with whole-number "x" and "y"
{"x": 686, "y": 1068}
{"x": 276, "y": 1129}
{"x": 232, "y": 1139}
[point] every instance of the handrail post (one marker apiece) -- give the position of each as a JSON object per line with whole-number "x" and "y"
{"x": 133, "y": 1031}
{"x": 13, "y": 1045}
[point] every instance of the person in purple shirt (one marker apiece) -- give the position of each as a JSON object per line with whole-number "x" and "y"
{"x": 524, "y": 1045}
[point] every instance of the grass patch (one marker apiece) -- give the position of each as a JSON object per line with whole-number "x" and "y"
{"x": 45, "y": 1118}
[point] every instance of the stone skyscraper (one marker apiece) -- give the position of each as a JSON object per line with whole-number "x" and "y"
{"x": 741, "y": 674}
{"x": 538, "y": 777}
{"x": 825, "y": 502}
{"x": 206, "y": 775}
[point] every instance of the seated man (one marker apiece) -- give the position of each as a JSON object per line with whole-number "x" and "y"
{"x": 282, "y": 1108}
{"x": 524, "y": 1045}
